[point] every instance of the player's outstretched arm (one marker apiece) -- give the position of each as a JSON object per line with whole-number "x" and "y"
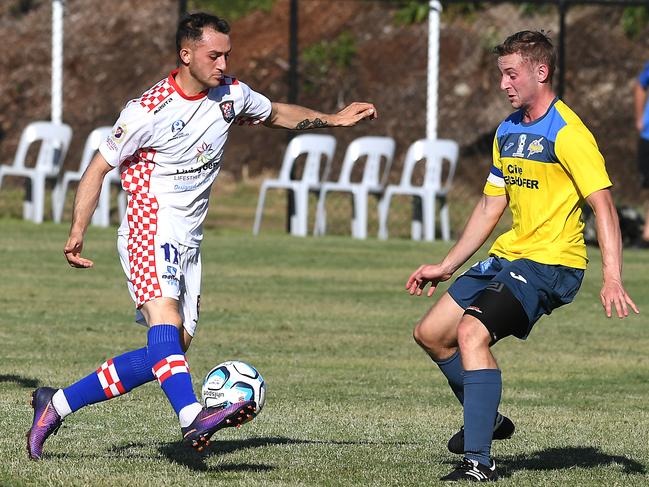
{"x": 610, "y": 244}
{"x": 482, "y": 221}
{"x": 297, "y": 117}
{"x": 85, "y": 203}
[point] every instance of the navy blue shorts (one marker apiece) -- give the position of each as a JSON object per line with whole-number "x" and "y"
{"x": 539, "y": 288}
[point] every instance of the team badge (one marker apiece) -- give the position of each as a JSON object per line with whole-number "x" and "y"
{"x": 227, "y": 109}
{"x": 119, "y": 133}
{"x": 520, "y": 151}
{"x": 535, "y": 147}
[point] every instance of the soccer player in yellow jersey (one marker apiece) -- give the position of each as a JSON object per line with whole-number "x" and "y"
{"x": 545, "y": 165}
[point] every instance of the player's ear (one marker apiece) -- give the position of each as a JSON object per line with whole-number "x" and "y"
{"x": 185, "y": 55}
{"x": 542, "y": 73}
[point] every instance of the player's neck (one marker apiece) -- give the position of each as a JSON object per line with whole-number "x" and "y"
{"x": 539, "y": 107}
{"x": 186, "y": 82}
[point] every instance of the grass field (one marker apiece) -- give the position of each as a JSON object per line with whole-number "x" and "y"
{"x": 351, "y": 398}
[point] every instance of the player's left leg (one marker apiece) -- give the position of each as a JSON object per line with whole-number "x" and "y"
{"x": 166, "y": 354}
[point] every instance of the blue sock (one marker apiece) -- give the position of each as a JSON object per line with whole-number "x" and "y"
{"x": 482, "y": 390}
{"x": 113, "y": 378}
{"x": 452, "y": 369}
{"x": 169, "y": 365}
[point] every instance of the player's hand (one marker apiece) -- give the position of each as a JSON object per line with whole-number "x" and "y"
{"x": 425, "y": 274}
{"x": 352, "y": 114}
{"x": 613, "y": 294}
{"x": 72, "y": 252}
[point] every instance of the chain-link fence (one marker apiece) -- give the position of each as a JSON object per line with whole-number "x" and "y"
{"x": 374, "y": 50}
{"x": 379, "y": 53}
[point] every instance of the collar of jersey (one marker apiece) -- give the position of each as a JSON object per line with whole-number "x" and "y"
{"x": 533, "y": 122}
{"x": 172, "y": 82}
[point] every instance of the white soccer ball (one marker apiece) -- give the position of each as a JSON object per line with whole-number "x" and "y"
{"x": 232, "y": 382}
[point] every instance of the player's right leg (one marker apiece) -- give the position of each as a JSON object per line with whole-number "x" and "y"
{"x": 113, "y": 378}
{"x": 436, "y": 334}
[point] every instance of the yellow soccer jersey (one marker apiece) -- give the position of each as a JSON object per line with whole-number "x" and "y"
{"x": 546, "y": 168}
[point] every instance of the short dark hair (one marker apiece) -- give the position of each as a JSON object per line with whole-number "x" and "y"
{"x": 190, "y": 27}
{"x": 533, "y": 46}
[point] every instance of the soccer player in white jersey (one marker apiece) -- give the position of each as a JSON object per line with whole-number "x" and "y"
{"x": 168, "y": 145}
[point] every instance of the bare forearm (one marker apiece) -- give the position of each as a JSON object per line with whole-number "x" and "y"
{"x": 481, "y": 223}
{"x": 85, "y": 201}
{"x": 298, "y": 117}
{"x": 640, "y": 100}
{"x": 610, "y": 242}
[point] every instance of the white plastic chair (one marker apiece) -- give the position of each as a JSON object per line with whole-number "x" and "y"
{"x": 55, "y": 141}
{"x": 373, "y": 181}
{"x": 101, "y": 217}
{"x": 433, "y": 153}
{"x": 315, "y": 146}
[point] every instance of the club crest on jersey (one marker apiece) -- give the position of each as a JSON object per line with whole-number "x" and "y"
{"x": 177, "y": 126}
{"x": 535, "y": 147}
{"x": 119, "y": 133}
{"x": 227, "y": 109}
{"x": 520, "y": 151}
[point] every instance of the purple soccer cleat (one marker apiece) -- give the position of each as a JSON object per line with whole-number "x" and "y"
{"x": 46, "y": 421}
{"x": 210, "y": 420}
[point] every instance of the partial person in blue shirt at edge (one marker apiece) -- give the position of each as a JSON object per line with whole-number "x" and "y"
{"x": 642, "y": 125}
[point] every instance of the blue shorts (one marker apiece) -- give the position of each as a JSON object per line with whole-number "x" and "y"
{"x": 539, "y": 288}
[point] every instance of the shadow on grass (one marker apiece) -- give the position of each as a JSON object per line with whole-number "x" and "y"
{"x": 193, "y": 460}
{"x": 21, "y": 381}
{"x": 565, "y": 458}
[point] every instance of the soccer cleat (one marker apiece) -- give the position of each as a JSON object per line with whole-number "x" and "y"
{"x": 210, "y": 420}
{"x": 472, "y": 471}
{"x": 503, "y": 430}
{"x": 46, "y": 421}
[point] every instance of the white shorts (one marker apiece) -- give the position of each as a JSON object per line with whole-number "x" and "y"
{"x": 156, "y": 267}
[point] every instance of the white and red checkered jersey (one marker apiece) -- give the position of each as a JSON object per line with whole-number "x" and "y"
{"x": 169, "y": 148}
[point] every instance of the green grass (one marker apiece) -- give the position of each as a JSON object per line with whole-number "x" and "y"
{"x": 351, "y": 398}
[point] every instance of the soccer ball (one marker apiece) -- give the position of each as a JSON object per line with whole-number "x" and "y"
{"x": 232, "y": 382}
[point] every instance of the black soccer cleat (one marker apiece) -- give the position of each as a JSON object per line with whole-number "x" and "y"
{"x": 472, "y": 471}
{"x": 503, "y": 430}
{"x": 210, "y": 420}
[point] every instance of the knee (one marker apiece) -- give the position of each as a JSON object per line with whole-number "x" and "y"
{"x": 472, "y": 335}
{"x": 185, "y": 339}
{"x": 432, "y": 343}
{"x": 423, "y": 339}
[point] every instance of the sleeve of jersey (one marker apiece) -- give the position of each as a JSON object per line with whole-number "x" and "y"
{"x": 495, "y": 185}
{"x": 131, "y": 132}
{"x": 643, "y": 79}
{"x": 578, "y": 153}
{"x": 255, "y": 105}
